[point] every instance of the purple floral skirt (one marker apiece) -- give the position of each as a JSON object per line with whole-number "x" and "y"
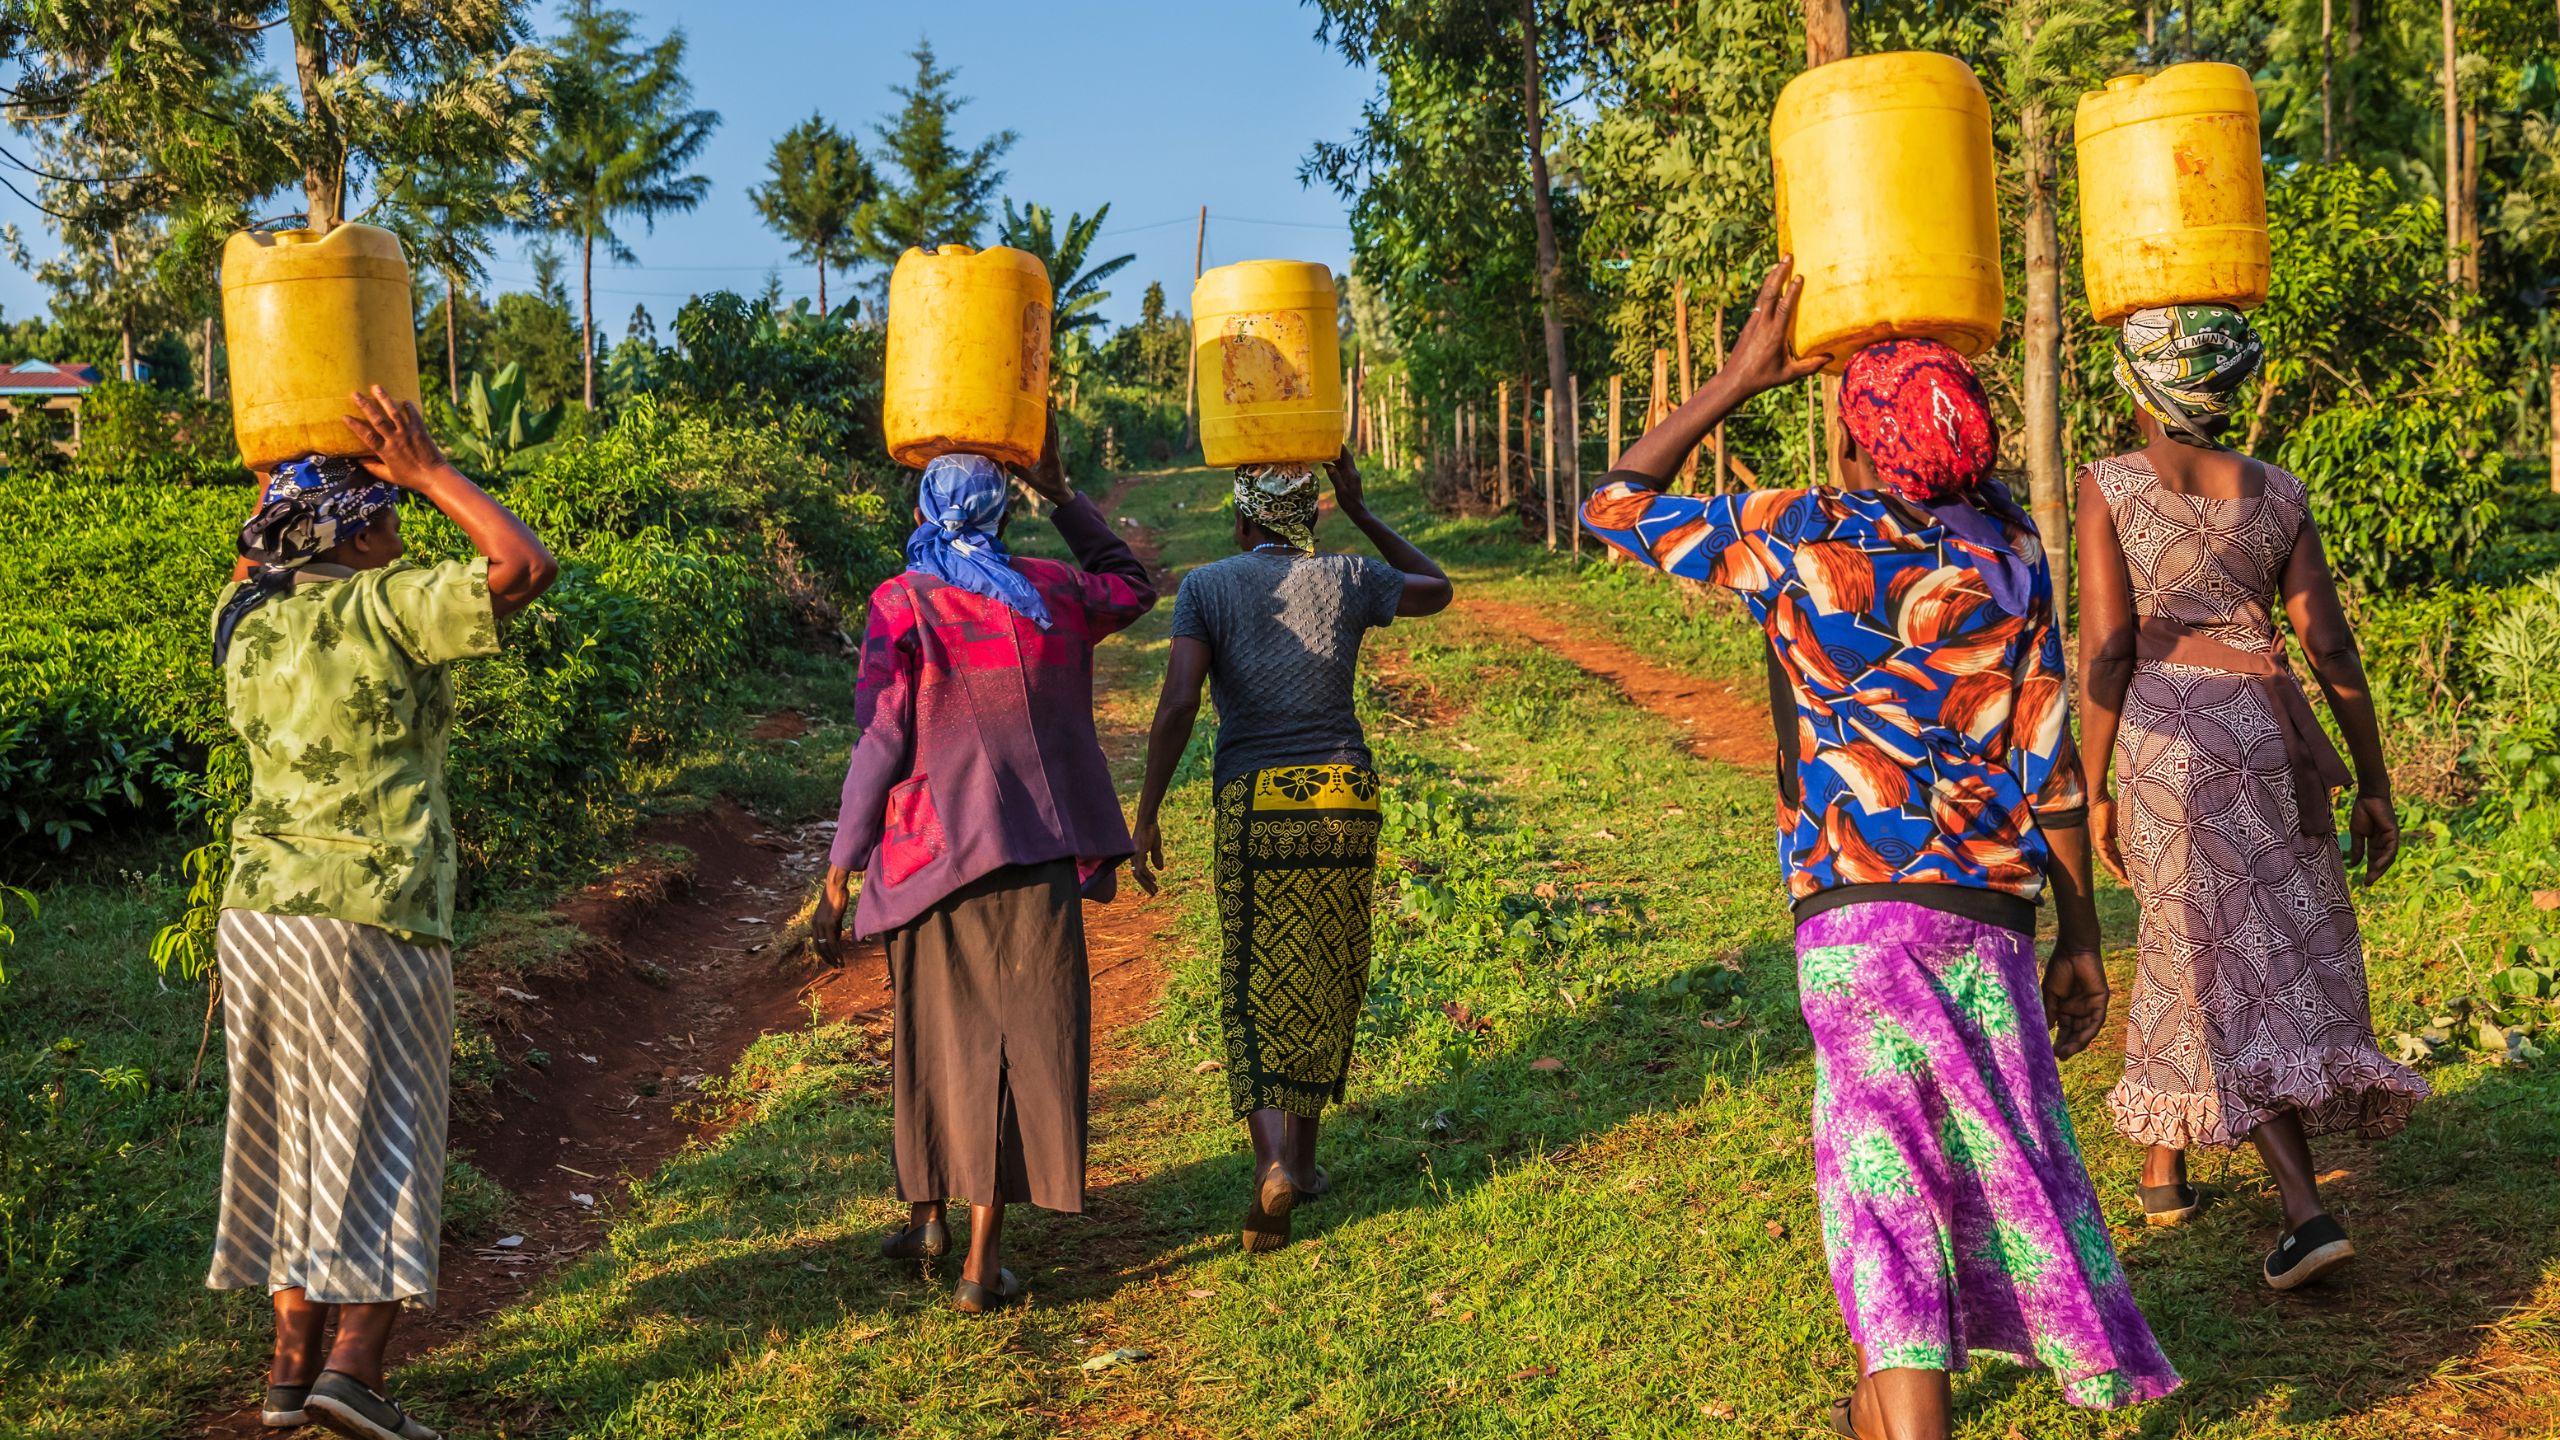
{"x": 1955, "y": 1210}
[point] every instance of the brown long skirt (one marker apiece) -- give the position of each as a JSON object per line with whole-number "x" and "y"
{"x": 990, "y": 1042}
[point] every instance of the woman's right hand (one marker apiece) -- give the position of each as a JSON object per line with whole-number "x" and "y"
{"x": 1150, "y": 857}
{"x": 1760, "y": 359}
{"x": 2102, "y": 837}
{"x": 826, "y": 923}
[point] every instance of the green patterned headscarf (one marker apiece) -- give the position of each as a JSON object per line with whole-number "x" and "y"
{"x": 1282, "y": 500}
{"x": 2185, "y": 364}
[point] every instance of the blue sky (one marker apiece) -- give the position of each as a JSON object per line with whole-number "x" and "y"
{"x": 1154, "y": 106}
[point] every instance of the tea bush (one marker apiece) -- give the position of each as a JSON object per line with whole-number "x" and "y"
{"x": 688, "y": 549}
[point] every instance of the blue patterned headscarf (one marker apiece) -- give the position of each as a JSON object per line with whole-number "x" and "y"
{"x": 309, "y": 507}
{"x": 962, "y": 500}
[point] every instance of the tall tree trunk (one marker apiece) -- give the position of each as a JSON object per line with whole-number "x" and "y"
{"x": 208, "y": 357}
{"x": 124, "y": 335}
{"x": 1826, "y": 38}
{"x": 822, "y": 288}
{"x": 2554, "y": 447}
{"x": 452, "y": 339}
{"x": 323, "y": 182}
{"x": 587, "y": 314}
{"x": 2045, "y": 460}
{"x": 2471, "y": 198}
{"x": 2328, "y": 68}
{"x": 1534, "y": 103}
{"x": 2452, "y": 162}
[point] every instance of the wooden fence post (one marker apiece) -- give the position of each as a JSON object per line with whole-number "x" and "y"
{"x": 1573, "y": 443}
{"x": 1547, "y": 430}
{"x": 1615, "y": 382}
{"x": 1660, "y": 404}
{"x": 1688, "y": 387}
{"x": 1528, "y": 435}
{"x": 1719, "y": 332}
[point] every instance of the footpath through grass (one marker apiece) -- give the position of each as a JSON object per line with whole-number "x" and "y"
{"x": 1573, "y": 1186}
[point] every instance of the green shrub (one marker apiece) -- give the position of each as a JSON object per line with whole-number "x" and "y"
{"x": 2405, "y": 491}
{"x": 145, "y": 435}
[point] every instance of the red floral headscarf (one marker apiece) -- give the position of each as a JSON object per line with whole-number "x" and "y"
{"x": 1915, "y": 407}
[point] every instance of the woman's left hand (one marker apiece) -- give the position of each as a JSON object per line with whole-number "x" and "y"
{"x": 1345, "y": 474}
{"x": 1760, "y": 359}
{"x": 399, "y": 449}
{"x": 2075, "y": 999}
{"x": 2373, "y": 836}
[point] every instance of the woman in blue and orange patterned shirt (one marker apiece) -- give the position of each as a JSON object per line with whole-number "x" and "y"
{"x": 1929, "y": 795}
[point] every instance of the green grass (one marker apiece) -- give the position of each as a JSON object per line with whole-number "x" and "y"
{"x": 1624, "y": 1246}
{"x": 107, "y": 1200}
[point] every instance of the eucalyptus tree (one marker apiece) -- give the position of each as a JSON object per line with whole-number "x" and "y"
{"x": 818, "y": 183}
{"x": 1076, "y": 286}
{"x": 621, "y": 131}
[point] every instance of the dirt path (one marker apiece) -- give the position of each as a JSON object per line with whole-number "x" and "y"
{"x": 1721, "y": 722}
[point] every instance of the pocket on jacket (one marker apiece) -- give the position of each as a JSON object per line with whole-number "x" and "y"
{"x": 912, "y": 837}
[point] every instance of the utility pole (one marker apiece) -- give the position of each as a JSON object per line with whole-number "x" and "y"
{"x": 1191, "y": 352}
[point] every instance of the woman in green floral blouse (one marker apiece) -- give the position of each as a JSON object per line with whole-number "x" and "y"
{"x": 336, "y": 928}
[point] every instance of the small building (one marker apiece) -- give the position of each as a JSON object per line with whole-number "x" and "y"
{"x": 47, "y": 386}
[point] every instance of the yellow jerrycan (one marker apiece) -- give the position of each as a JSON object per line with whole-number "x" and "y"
{"x": 1884, "y": 194}
{"x": 1269, "y": 355}
{"x": 309, "y": 318}
{"x": 2173, "y": 196}
{"x": 968, "y": 361}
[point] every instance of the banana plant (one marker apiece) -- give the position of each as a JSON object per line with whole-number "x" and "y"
{"x": 497, "y": 424}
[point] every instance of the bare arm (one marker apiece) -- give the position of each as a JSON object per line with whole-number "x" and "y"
{"x": 1177, "y": 712}
{"x": 1759, "y": 361}
{"x": 2329, "y": 643}
{"x": 401, "y": 452}
{"x": 2107, "y": 629}
{"x": 1426, "y": 586}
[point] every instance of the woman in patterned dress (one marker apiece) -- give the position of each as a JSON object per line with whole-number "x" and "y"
{"x": 2249, "y": 1016}
{"x": 1929, "y": 797}
{"x": 337, "y": 921}
{"x": 1276, "y": 630}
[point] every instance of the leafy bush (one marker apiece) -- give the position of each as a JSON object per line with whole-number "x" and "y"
{"x": 688, "y": 550}
{"x": 813, "y": 378}
{"x": 2405, "y": 491}
{"x": 145, "y": 435}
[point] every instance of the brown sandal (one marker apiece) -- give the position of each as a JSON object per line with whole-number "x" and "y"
{"x": 1266, "y": 1222}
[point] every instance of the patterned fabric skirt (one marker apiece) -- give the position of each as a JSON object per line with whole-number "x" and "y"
{"x": 339, "y": 1042}
{"x": 2249, "y": 998}
{"x": 1297, "y": 867}
{"x": 1955, "y": 1210}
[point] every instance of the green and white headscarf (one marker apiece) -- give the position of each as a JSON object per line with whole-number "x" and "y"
{"x": 2185, "y": 364}
{"x": 1282, "y": 500}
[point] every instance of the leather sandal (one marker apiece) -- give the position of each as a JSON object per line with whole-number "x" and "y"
{"x": 971, "y": 1298}
{"x": 1266, "y": 1221}
{"x": 1841, "y": 1424}
{"x": 930, "y": 1240}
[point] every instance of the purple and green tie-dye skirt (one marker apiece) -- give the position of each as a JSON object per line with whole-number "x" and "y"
{"x": 1955, "y": 1208}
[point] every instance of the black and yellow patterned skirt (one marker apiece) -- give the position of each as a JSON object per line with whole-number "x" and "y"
{"x": 1297, "y": 853}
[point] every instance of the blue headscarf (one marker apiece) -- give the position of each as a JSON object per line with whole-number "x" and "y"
{"x": 309, "y": 506}
{"x": 962, "y": 500}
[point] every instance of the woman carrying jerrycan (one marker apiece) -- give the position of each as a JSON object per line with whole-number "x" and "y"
{"x": 978, "y": 807}
{"x": 1929, "y": 796}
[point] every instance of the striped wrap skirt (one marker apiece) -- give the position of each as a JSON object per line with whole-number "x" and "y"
{"x": 339, "y": 1042}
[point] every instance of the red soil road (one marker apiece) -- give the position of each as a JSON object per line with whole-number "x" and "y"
{"x": 1719, "y": 721}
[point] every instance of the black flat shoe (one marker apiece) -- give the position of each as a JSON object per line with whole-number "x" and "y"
{"x": 1840, "y": 1422}
{"x": 971, "y": 1298}
{"x": 2172, "y": 1204}
{"x": 282, "y": 1409}
{"x": 1266, "y": 1222}
{"x": 2305, "y": 1254}
{"x": 929, "y": 1240}
{"x": 343, "y": 1405}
